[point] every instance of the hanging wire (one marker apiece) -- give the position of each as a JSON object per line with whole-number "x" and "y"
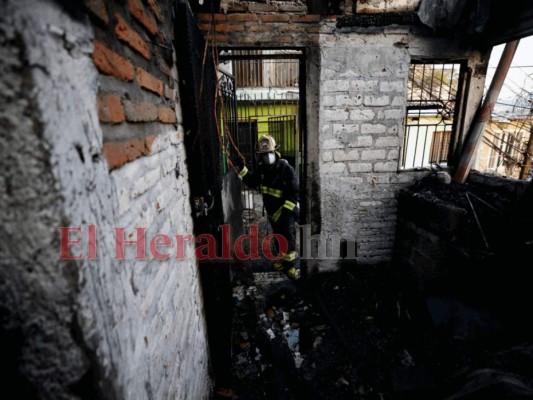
{"x": 222, "y": 105}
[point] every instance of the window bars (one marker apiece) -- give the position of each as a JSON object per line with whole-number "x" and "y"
{"x": 432, "y": 93}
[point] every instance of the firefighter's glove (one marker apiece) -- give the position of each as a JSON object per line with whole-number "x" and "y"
{"x": 241, "y": 167}
{"x": 296, "y": 210}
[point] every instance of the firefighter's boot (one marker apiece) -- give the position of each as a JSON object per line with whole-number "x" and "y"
{"x": 291, "y": 265}
{"x": 277, "y": 266}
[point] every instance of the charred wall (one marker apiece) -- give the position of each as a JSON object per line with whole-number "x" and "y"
{"x": 466, "y": 231}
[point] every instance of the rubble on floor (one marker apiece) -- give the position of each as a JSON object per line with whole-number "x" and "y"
{"x": 356, "y": 334}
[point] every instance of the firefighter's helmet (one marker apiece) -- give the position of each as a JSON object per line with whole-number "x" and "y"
{"x": 266, "y": 144}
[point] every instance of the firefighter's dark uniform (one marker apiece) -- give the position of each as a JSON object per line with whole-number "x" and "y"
{"x": 279, "y": 186}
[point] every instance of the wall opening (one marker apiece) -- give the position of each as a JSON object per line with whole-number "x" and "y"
{"x": 433, "y": 99}
{"x": 269, "y": 100}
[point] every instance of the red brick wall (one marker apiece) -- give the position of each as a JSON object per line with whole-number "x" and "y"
{"x": 261, "y": 29}
{"x": 136, "y": 96}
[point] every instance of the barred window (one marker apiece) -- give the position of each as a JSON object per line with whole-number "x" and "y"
{"x": 430, "y": 121}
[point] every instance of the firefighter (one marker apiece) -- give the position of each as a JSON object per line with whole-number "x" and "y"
{"x": 278, "y": 183}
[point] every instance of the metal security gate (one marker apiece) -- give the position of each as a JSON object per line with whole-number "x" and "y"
{"x": 247, "y": 136}
{"x": 237, "y": 136}
{"x": 269, "y": 82}
{"x": 270, "y": 90}
{"x": 283, "y": 129}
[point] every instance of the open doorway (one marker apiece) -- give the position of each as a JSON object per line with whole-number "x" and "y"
{"x": 269, "y": 91}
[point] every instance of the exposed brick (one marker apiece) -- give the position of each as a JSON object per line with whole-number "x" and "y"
{"x": 306, "y": 18}
{"x": 147, "y": 81}
{"x": 218, "y": 38}
{"x": 275, "y": 18}
{"x": 156, "y": 10}
{"x": 229, "y": 28}
{"x": 262, "y": 7}
{"x": 167, "y": 115}
{"x": 291, "y": 7}
{"x": 140, "y": 112}
{"x": 119, "y": 153}
{"x": 128, "y": 35}
{"x": 205, "y": 27}
{"x": 98, "y": 9}
{"x": 291, "y": 28}
{"x": 212, "y": 17}
{"x": 260, "y": 28}
{"x": 237, "y": 7}
{"x": 284, "y": 40}
{"x": 110, "y": 63}
{"x": 242, "y": 18}
{"x": 313, "y": 29}
{"x": 110, "y": 109}
{"x": 138, "y": 12}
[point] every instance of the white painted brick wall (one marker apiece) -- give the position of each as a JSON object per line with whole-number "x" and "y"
{"x": 345, "y": 129}
{"x": 388, "y": 166}
{"x": 355, "y": 168}
{"x": 376, "y": 101}
{"x": 370, "y": 155}
{"x": 373, "y": 128}
{"x": 143, "y": 319}
{"x": 361, "y": 115}
{"x": 395, "y": 86}
{"x": 361, "y": 141}
{"x": 332, "y": 168}
{"x": 351, "y": 155}
{"x": 335, "y": 115}
{"x": 388, "y": 141}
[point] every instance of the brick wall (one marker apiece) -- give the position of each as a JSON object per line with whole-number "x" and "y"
{"x": 363, "y": 100}
{"x": 356, "y": 99}
{"x": 140, "y": 116}
{"x": 137, "y": 96}
{"x": 97, "y": 138}
{"x": 260, "y": 29}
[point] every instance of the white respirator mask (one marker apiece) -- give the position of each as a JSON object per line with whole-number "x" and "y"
{"x": 269, "y": 158}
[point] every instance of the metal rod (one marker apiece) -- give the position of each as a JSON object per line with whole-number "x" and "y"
{"x": 484, "y": 202}
{"x": 477, "y": 222}
{"x": 484, "y": 113}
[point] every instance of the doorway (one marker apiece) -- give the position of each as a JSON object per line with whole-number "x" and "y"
{"x": 270, "y": 98}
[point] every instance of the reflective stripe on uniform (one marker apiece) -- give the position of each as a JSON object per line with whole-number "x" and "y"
{"x": 277, "y": 214}
{"x": 289, "y": 205}
{"x": 243, "y": 172}
{"x": 271, "y": 191}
